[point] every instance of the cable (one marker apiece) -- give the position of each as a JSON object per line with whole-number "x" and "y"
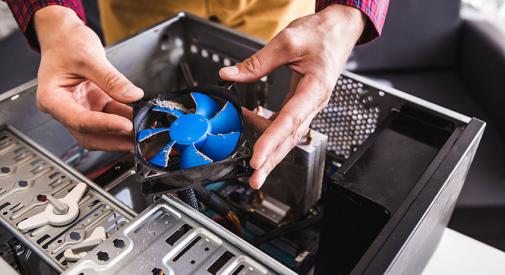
{"x": 217, "y": 204}
{"x": 188, "y": 196}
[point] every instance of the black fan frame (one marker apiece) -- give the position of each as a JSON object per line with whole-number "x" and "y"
{"x": 157, "y": 180}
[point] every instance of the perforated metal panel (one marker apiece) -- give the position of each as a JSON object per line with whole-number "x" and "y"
{"x": 171, "y": 238}
{"x": 349, "y": 118}
{"x": 26, "y": 177}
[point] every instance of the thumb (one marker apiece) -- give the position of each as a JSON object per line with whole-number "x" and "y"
{"x": 112, "y": 82}
{"x": 258, "y": 65}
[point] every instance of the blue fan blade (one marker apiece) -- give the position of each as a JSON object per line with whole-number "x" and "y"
{"x": 218, "y": 147}
{"x": 205, "y": 105}
{"x": 147, "y": 133}
{"x": 191, "y": 157}
{"x": 161, "y": 157}
{"x": 174, "y": 112}
{"x": 226, "y": 121}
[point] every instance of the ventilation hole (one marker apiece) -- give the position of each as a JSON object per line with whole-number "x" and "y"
{"x": 74, "y": 235}
{"x": 53, "y": 175}
{"x": 118, "y": 243}
{"x": 102, "y": 256}
{"x": 178, "y": 234}
{"x": 4, "y": 205}
{"x": 43, "y": 238}
{"x": 59, "y": 256}
{"x": 186, "y": 249}
{"x": 237, "y": 271}
{"x": 220, "y": 262}
{"x": 193, "y": 49}
{"x": 205, "y": 53}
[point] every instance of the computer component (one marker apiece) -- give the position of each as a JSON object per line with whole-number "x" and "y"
{"x": 270, "y": 225}
{"x": 298, "y": 179}
{"x": 48, "y": 207}
{"x": 191, "y": 136}
{"x": 171, "y": 238}
{"x": 387, "y": 194}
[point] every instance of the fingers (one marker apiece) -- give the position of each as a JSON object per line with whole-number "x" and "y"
{"x": 255, "y": 122}
{"x": 259, "y": 64}
{"x": 293, "y": 83}
{"x": 104, "y": 142}
{"x": 111, "y": 81}
{"x": 259, "y": 176}
{"x": 288, "y": 128}
{"x": 62, "y": 107}
{"x": 121, "y": 109}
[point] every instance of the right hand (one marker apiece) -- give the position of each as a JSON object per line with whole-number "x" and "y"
{"x": 78, "y": 86}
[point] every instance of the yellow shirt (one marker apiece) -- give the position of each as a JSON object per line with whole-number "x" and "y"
{"x": 260, "y": 18}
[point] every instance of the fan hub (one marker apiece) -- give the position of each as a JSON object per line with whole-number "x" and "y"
{"x": 189, "y": 129}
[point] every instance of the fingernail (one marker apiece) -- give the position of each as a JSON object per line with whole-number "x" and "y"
{"x": 133, "y": 93}
{"x": 259, "y": 162}
{"x": 231, "y": 70}
{"x": 125, "y": 132}
{"x": 261, "y": 179}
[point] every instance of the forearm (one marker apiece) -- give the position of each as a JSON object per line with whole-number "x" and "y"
{"x": 24, "y": 11}
{"x": 53, "y": 24}
{"x": 343, "y": 20}
{"x": 374, "y": 11}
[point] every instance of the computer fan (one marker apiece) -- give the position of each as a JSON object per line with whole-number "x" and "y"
{"x": 192, "y": 136}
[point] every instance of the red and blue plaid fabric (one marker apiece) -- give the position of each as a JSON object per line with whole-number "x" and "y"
{"x": 23, "y": 11}
{"x": 375, "y": 10}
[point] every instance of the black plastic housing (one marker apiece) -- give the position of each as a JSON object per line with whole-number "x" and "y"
{"x": 162, "y": 179}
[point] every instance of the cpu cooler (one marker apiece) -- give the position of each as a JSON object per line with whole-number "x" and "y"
{"x": 196, "y": 135}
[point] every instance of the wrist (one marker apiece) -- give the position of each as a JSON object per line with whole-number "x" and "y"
{"x": 53, "y": 20}
{"x": 346, "y": 20}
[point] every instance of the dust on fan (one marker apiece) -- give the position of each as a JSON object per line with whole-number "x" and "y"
{"x": 208, "y": 135}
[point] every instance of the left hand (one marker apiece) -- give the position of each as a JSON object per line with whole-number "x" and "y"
{"x": 315, "y": 48}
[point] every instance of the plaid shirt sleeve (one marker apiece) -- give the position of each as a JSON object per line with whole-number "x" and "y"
{"x": 375, "y": 10}
{"x": 23, "y": 11}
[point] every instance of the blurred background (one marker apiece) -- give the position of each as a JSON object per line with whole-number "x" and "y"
{"x": 448, "y": 52}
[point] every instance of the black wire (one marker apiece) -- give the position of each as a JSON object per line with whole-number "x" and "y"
{"x": 212, "y": 200}
{"x": 188, "y": 196}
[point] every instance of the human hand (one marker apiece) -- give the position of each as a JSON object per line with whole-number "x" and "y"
{"x": 78, "y": 86}
{"x": 315, "y": 48}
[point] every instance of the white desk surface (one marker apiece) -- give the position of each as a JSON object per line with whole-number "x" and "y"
{"x": 462, "y": 255}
